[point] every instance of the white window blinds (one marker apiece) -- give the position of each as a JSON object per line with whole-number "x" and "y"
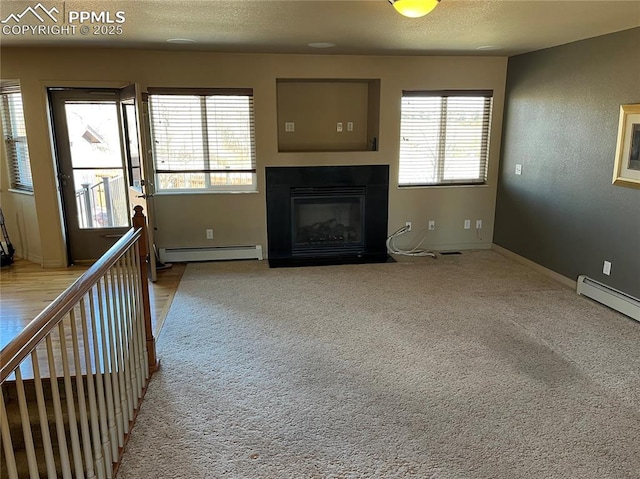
{"x": 15, "y": 136}
{"x": 444, "y": 137}
{"x": 203, "y": 139}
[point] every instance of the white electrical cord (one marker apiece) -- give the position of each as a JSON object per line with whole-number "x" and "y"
{"x": 393, "y": 249}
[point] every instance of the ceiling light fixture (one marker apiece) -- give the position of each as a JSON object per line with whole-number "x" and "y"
{"x": 414, "y": 8}
{"x": 322, "y": 45}
{"x": 181, "y": 41}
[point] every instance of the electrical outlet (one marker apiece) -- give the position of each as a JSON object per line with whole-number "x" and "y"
{"x": 432, "y": 225}
{"x": 408, "y": 225}
{"x": 289, "y": 127}
{"x": 606, "y": 269}
{"x": 467, "y": 224}
{"x": 209, "y": 234}
{"x": 478, "y": 224}
{"x": 518, "y": 169}
{"x": 339, "y": 127}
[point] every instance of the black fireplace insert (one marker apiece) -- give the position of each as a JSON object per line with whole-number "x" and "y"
{"x": 327, "y": 214}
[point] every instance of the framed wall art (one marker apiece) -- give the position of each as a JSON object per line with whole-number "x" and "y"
{"x": 626, "y": 169}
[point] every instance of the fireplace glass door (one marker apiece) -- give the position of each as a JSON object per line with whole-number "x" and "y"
{"x": 327, "y": 223}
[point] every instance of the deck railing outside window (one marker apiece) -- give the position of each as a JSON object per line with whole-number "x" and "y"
{"x": 102, "y": 204}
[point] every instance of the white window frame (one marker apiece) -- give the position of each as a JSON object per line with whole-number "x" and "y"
{"x": 204, "y": 93}
{"x": 410, "y": 140}
{"x": 18, "y": 161}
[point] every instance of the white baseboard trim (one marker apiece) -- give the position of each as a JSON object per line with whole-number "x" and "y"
{"x": 29, "y": 257}
{"x": 458, "y": 246}
{"x": 47, "y": 264}
{"x": 611, "y": 297}
{"x": 533, "y": 265}
{"x": 216, "y": 253}
{"x": 54, "y": 263}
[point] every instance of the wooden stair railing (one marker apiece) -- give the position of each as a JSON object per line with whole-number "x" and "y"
{"x": 73, "y": 380}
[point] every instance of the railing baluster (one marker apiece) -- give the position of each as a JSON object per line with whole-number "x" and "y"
{"x": 121, "y": 423}
{"x": 128, "y": 325}
{"x": 84, "y": 420}
{"x": 87, "y": 205}
{"x": 126, "y": 338}
{"x": 122, "y": 367}
{"x": 57, "y": 409}
{"x": 107, "y": 201}
{"x": 141, "y": 319}
{"x": 71, "y": 404}
{"x": 99, "y": 357}
{"x": 44, "y": 420}
{"x": 26, "y": 427}
{"x": 135, "y": 322}
{"x": 131, "y": 326}
{"x": 109, "y": 382}
{"x": 101, "y": 459}
{"x": 7, "y": 444}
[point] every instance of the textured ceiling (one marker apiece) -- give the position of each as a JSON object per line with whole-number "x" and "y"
{"x": 357, "y": 27}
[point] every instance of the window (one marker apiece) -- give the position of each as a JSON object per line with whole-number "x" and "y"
{"x": 203, "y": 139}
{"x": 15, "y": 136}
{"x": 444, "y": 137}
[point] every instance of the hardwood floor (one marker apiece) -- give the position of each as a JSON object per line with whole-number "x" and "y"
{"x": 26, "y": 289}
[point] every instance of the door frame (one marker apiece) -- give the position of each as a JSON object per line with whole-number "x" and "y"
{"x": 45, "y": 86}
{"x": 86, "y": 242}
{"x": 145, "y": 157}
{"x": 144, "y": 195}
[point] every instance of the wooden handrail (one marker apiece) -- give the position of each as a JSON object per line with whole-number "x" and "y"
{"x": 21, "y": 346}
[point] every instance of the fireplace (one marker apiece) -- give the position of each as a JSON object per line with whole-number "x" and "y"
{"x": 327, "y": 220}
{"x": 327, "y": 215}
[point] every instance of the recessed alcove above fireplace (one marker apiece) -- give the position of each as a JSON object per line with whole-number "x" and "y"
{"x": 327, "y": 214}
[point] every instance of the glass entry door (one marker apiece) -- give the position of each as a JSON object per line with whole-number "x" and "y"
{"x": 92, "y": 169}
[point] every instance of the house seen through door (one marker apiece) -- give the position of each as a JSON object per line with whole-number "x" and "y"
{"x": 99, "y": 170}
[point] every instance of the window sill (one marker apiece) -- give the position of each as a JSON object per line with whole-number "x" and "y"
{"x": 453, "y": 185}
{"x": 202, "y": 192}
{"x": 21, "y": 192}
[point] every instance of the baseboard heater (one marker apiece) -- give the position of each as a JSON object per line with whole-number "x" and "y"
{"x": 215, "y": 253}
{"x": 610, "y": 297}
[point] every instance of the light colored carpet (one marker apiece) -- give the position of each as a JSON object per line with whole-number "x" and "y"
{"x": 469, "y": 366}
